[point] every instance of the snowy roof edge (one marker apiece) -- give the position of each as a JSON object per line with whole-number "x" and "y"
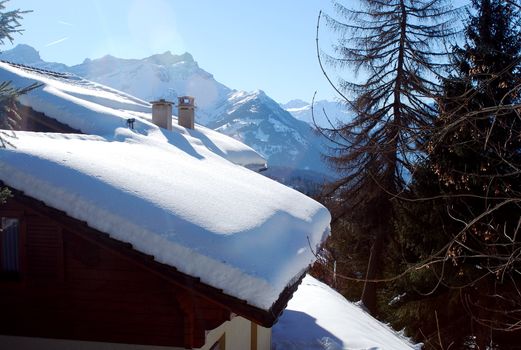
{"x": 263, "y": 317}
{"x": 52, "y": 98}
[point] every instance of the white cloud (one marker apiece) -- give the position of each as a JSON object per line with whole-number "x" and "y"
{"x": 56, "y": 41}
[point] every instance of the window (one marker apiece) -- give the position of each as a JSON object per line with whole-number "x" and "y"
{"x": 9, "y": 247}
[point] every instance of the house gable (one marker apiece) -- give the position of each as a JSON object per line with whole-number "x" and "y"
{"x": 78, "y": 283}
{"x": 75, "y": 287}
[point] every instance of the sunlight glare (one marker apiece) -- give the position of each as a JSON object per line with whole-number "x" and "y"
{"x": 152, "y": 24}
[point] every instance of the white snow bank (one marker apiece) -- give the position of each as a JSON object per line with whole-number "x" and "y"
{"x": 178, "y": 201}
{"x": 319, "y": 318}
{"x": 99, "y": 110}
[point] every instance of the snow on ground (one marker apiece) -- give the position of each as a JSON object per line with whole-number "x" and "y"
{"x": 319, "y": 318}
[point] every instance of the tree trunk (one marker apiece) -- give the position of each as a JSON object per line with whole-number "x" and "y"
{"x": 373, "y": 266}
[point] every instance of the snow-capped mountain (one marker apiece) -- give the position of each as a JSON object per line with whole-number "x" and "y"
{"x": 159, "y": 76}
{"x": 257, "y": 120}
{"x": 322, "y": 111}
{"x": 25, "y": 54}
{"x": 253, "y": 118}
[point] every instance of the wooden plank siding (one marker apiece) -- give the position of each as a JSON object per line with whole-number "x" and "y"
{"x": 31, "y": 120}
{"x": 73, "y": 288}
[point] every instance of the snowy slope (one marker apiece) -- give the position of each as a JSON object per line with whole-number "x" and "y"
{"x": 322, "y": 110}
{"x": 318, "y": 318}
{"x": 253, "y": 118}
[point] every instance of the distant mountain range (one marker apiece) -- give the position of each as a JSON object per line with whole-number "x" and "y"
{"x": 289, "y": 143}
{"x": 324, "y": 113}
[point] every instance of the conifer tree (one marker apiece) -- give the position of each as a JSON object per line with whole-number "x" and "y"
{"x": 467, "y": 239}
{"x": 397, "y": 47}
{"x": 9, "y": 25}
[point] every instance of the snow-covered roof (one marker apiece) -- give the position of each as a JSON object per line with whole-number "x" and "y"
{"x": 99, "y": 110}
{"x": 173, "y": 195}
{"x": 318, "y": 318}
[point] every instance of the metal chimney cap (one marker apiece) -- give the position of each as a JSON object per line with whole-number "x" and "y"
{"x": 186, "y": 101}
{"x": 162, "y": 101}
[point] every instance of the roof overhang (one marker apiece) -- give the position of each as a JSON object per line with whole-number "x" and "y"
{"x": 265, "y": 318}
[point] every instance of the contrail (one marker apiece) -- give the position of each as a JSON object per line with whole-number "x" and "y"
{"x": 65, "y": 23}
{"x": 57, "y": 41}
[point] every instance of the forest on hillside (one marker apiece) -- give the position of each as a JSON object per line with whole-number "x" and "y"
{"x": 426, "y": 213}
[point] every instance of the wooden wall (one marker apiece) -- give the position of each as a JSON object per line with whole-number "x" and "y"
{"x": 30, "y": 120}
{"x": 72, "y": 287}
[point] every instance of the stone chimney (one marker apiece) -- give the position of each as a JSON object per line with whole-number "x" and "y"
{"x": 162, "y": 113}
{"x": 186, "y": 114}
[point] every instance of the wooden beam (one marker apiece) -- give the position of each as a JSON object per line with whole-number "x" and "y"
{"x": 253, "y": 336}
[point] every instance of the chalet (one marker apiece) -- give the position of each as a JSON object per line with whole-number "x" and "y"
{"x": 122, "y": 234}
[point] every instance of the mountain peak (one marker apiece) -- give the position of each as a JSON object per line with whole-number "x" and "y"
{"x": 259, "y": 92}
{"x": 109, "y": 57}
{"x": 295, "y": 104}
{"x": 167, "y": 58}
{"x": 23, "y": 54}
{"x": 244, "y": 96}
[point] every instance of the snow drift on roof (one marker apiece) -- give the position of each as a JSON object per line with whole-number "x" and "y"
{"x": 178, "y": 201}
{"x": 99, "y": 110}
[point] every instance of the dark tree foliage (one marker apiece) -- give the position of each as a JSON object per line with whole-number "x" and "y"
{"x": 9, "y": 25}
{"x": 467, "y": 240}
{"x": 397, "y": 47}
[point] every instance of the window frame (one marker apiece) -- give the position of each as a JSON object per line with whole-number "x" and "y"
{"x": 16, "y": 278}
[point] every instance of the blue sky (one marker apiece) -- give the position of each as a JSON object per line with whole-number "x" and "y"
{"x": 246, "y": 45}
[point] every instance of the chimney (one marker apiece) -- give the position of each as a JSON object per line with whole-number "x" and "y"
{"x": 186, "y": 108}
{"x": 162, "y": 113}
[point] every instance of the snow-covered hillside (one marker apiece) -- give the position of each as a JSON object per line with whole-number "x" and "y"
{"x": 322, "y": 111}
{"x": 318, "y": 318}
{"x": 253, "y": 118}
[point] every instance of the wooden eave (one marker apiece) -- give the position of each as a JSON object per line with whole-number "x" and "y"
{"x": 41, "y": 122}
{"x": 265, "y": 318}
